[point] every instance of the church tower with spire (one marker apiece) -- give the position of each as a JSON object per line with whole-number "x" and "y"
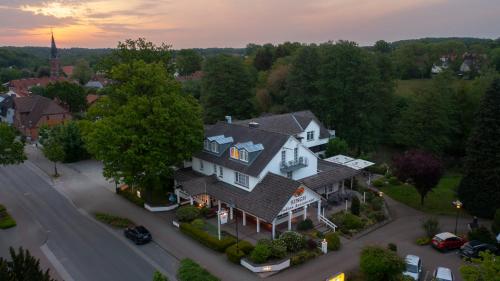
{"x": 54, "y": 60}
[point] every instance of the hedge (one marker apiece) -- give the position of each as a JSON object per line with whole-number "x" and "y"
{"x": 6, "y": 221}
{"x": 261, "y": 253}
{"x": 113, "y": 220}
{"x": 191, "y": 271}
{"x": 302, "y": 256}
{"x": 206, "y": 239}
{"x": 132, "y": 197}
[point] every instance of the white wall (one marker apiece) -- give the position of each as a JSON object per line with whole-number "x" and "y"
{"x": 313, "y": 126}
{"x": 274, "y": 165}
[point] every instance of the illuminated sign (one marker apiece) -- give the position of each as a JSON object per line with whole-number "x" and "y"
{"x": 301, "y": 197}
{"x": 223, "y": 216}
{"x": 338, "y": 277}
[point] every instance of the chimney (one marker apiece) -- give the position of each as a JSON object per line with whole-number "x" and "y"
{"x": 229, "y": 120}
{"x": 253, "y": 124}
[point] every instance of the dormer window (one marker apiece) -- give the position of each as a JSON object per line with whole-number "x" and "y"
{"x": 235, "y": 154}
{"x": 214, "y": 147}
{"x": 244, "y": 155}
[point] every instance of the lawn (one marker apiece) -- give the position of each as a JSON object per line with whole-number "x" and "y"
{"x": 438, "y": 201}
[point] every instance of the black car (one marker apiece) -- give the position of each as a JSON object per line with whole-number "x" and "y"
{"x": 138, "y": 234}
{"x": 473, "y": 248}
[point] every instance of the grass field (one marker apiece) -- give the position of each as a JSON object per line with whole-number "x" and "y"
{"x": 438, "y": 201}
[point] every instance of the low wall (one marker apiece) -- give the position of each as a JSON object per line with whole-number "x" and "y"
{"x": 267, "y": 267}
{"x": 160, "y": 208}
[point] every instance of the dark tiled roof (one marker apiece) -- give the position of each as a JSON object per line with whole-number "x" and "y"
{"x": 289, "y": 123}
{"x": 32, "y": 108}
{"x": 271, "y": 141}
{"x": 329, "y": 173}
{"x": 265, "y": 201}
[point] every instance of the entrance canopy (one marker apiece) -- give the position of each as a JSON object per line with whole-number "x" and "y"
{"x": 273, "y": 196}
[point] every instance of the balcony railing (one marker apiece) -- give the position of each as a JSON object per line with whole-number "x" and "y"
{"x": 290, "y": 166}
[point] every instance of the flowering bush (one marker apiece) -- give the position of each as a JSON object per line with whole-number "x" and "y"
{"x": 293, "y": 240}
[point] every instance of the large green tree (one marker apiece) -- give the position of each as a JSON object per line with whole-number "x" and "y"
{"x": 22, "y": 267}
{"x": 54, "y": 151}
{"x": 151, "y": 127}
{"x": 480, "y": 186}
{"x": 11, "y": 149}
{"x": 69, "y": 135}
{"x": 69, "y": 94}
{"x": 187, "y": 61}
{"x": 227, "y": 88}
{"x": 82, "y": 72}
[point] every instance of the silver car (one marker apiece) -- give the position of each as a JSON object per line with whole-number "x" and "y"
{"x": 413, "y": 267}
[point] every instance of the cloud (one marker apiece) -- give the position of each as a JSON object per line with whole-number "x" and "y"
{"x": 15, "y": 19}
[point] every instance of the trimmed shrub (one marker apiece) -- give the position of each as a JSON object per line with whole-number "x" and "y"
{"x": 393, "y": 247}
{"x": 191, "y": 271}
{"x": 379, "y": 182}
{"x": 481, "y": 234}
{"x": 311, "y": 244}
{"x": 261, "y": 253}
{"x": 206, "y": 239}
{"x": 302, "y": 256}
{"x": 305, "y": 224}
{"x": 234, "y": 255}
{"x": 431, "y": 227}
{"x": 377, "y": 216}
{"x": 131, "y": 196}
{"x": 245, "y": 246}
{"x": 187, "y": 213}
{"x": 294, "y": 241}
{"x": 355, "y": 206}
{"x": 113, "y": 220}
{"x": 352, "y": 222}
{"x": 6, "y": 220}
{"x": 377, "y": 203}
{"x": 422, "y": 241}
{"x": 278, "y": 248}
{"x": 379, "y": 264}
{"x": 333, "y": 240}
{"x": 394, "y": 181}
{"x": 495, "y": 225}
{"x": 198, "y": 223}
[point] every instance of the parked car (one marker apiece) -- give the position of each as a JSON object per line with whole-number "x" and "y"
{"x": 447, "y": 241}
{"x": 138, "y": 234}
{"x": 443, "y": 274}
{"x": 473, "y": 248}
{"x": 413, "y": 267}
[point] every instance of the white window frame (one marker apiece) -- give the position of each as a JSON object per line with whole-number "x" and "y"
{"x": 310, "y": 136}
{"x": 201, "y": 165}
{"x": 214, "y": 147}
{"x": 283, "y": 156}
{"x": 221, "y": 172}
{"x": 243, "y": 155}
{"x": 241, "y": 179}
{"x": 289, "y": 175}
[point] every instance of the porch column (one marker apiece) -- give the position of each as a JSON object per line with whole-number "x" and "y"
{"x": 289, "y": 220}
{"x": 209, "y": 202}
{"x": 274, "y": 228}
{"x": 218, "y": 204}
{"x": 305, "y": 212}
{"x": 369, "y": 178}
{"x": 352, "y": 181}
{"x": 343, "y": 189}
{"x": 231, "y": 213}
{"x": 191, "y": 200}
{"x": 319, "y": 208}
{"x": 258, "y": 224}
{"x": 177, "y": 196}
{"x": 245, "y": 218}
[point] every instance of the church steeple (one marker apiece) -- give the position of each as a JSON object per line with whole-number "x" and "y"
{"x": 54, "y": 59}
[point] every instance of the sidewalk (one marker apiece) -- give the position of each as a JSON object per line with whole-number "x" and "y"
{"x": 87, "y": 189}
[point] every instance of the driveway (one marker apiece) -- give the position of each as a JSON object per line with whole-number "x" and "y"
{"x": 83, "y": 183}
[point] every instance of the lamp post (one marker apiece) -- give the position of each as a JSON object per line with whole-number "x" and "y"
{"x": 457, "y": 204}
{"x": 233, "y": 205}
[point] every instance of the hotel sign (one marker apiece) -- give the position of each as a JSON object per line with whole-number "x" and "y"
{"x": 301, "y": 197}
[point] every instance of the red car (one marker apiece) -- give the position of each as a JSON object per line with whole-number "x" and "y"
{"x": 447, "y": 241}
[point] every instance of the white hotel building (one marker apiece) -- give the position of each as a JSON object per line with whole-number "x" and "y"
{"x": 264, "y": 170}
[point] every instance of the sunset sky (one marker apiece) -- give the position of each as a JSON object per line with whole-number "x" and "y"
{"x": 234, "y": 23}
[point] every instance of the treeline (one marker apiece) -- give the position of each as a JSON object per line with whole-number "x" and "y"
{"x": 352, "y": 90}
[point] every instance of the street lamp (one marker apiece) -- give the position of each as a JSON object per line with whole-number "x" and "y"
{"x": 457, "y": 204}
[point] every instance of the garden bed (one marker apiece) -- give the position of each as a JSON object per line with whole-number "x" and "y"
{"x": 114, "y": 221}
{"x": 6, "y": 220}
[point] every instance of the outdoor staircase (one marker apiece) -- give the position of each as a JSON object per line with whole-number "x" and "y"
{"x": 324, "y": 225}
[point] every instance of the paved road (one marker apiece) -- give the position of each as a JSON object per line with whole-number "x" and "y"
{"x": 83, "y": 183}
{"x": 76, "y": 246}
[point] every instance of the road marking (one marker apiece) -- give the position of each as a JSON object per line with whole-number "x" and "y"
{"x": 56, "y": 263}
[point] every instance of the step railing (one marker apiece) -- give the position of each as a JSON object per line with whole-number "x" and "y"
{"x": 327, "y": 222}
